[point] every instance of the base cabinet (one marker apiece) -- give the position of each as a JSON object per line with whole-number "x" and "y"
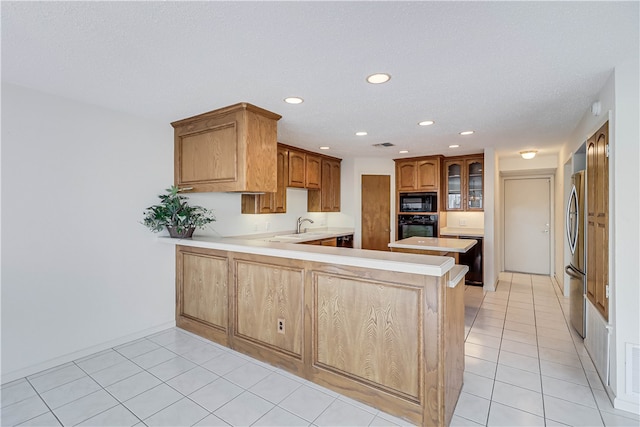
{"x": 377, "y": 336}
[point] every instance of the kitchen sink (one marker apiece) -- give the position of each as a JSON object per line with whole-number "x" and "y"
{"x": 299, "y": 236}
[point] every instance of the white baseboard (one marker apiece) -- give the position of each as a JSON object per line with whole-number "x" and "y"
{"x": 625, "y": 405}
{"x": 21, "y": 373}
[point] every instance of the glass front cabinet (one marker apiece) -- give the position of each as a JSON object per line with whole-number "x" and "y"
{"x": 464, "y": 184}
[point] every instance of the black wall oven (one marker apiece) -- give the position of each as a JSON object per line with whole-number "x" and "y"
{"x": 418, "y": 202}
{"x": 417, "y": 225}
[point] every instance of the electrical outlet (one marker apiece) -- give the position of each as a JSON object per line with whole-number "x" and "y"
{"x": 281, "y": 326}
{"x": 255, "y": 227}
{"x": 267, "y": 225}
{"x": 462, "y": 222}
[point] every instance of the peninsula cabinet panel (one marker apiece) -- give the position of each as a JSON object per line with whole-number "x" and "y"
{"x": 202, "y": 293}
{"x": 393, "y": 340}
{"x": 269, "y": 305}
{"x": 369, "y": 331}
{"x": 229, "y": 149}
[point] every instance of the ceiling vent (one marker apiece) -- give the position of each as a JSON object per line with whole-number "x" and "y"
{"x": 384, "y": 144}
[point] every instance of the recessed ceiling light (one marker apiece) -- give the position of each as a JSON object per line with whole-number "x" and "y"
{"x": 324, "y": 148}
{"x": 378, "y": 78}
{"x": 467, "y": 132}
{"x": 293, "y": 100}
{"x": 361, "y": 133}
{"x": 454, "y": 146}
{"x": 426, "y": 123}
{"x": 403, "y": 151}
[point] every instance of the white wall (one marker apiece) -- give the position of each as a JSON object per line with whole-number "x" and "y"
{"x": 492, "y": 243}
{"x": 625, "y": 229}
{"x": 79, "y": 273}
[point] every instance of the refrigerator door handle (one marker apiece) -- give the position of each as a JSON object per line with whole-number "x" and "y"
{"x": 573, "y": 272}
{"x": 572, "y": 228}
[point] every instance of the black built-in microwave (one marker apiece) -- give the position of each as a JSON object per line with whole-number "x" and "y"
{"x": 418, "y": 202}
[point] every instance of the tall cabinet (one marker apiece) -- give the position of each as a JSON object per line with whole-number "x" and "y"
{"x": 463, "y": 183}
{"x": 598, "y": 220}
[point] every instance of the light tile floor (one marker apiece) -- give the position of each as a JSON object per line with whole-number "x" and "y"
{"x": 524, "y": 366}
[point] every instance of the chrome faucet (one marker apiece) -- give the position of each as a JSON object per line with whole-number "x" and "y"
{"x": 299, "y": 223}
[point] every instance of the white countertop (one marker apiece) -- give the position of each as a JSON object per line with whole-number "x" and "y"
{"x": 292, "y": 237}
{"x": 456, "y": 275}
{"x": 434, "y": 244}
{"x": 462, "y": 231}
{"x": 380, "y": 260}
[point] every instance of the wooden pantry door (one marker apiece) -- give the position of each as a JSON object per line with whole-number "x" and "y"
{"x": 376, "y": 207}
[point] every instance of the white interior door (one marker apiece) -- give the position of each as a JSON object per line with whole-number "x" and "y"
{"x": 527, "y": 225}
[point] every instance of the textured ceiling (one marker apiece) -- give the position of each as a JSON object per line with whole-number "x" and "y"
{"x": 521, "y": 74}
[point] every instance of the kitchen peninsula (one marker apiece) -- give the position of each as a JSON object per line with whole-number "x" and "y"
{"x": 383, "y": 328}
{"x": 433, "y": 246}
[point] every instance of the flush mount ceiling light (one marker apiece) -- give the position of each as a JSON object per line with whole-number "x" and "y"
{"x": 378, "y": 78}
{"x": 324, "y": 148}
{"x": 529, "y": 154}
{"x": 467, "y": 132}
{"x": 454, "y": 146}
{"x": 426, "y": 123}
{"x": 361, "y": 133}
{"x": 403, "y": 151}
{"x": 293, "y": 100}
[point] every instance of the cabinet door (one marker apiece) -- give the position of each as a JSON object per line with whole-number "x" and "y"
{"x": 428, "y": 172}
{"x": 313, "y": 172}
{"x": 406, "y": 175}
{"x": 453, "y": 170}
{"x": 334, "y": 187}
{"x": 474, "y": 185}
{"x": 327, "y": 199}
{"x": 270, "y": 202}
{"x": 203, "y": 289}
{"x": 297, "y": 169}
{"x": 598, "y": 221}
{"x": 279, "y": 198}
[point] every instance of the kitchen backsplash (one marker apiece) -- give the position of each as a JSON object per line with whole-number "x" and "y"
{"x": 465, "y": 219}
{"x": 230, "y": 222}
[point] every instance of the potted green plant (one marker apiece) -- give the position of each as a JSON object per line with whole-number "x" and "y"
{"x": 175, "y": 214}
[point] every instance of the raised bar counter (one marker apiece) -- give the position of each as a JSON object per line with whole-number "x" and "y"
{"x": 383, "y": 328}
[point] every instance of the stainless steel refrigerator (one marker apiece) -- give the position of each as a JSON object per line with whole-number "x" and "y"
{"x": 577, "y": 270}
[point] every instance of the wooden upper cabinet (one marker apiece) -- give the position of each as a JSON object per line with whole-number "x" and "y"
{"x": 598, "y": 220}
{"x": 428, "y": 174}
{"x": 422, "y": 174}
{"x": 271, "y": 202}
{"x": 313, "y": 172}
{"x": 297, "y": 169}
{"x": 463, "y": 183}
{"x": 406, "y": 175}
{"x": 229, "y": 149}
{"x": 327, "y": 199}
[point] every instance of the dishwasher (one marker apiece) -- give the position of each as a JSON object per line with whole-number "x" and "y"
{"x": 473, "y": 259}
